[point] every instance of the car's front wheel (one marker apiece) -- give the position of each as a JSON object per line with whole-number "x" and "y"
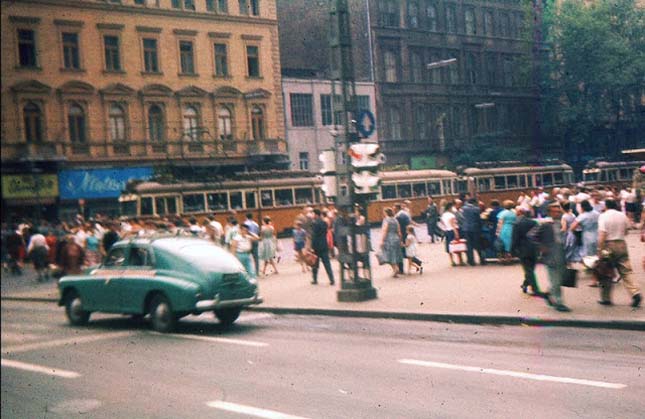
{"x": 227, "y": 316}
{"x": 74, "y": 310}
{"x": 162, "y": 317}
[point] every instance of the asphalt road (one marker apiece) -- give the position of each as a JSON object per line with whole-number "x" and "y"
{"x": 315, "y": 367}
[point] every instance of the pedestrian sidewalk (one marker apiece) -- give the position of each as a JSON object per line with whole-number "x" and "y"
{"x": 480, "y": 294}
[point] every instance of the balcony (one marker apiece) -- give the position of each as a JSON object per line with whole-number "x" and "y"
{"x": 102, "y": 151}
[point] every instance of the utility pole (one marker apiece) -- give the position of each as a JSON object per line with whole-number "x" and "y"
{"x": 354, "y": 286}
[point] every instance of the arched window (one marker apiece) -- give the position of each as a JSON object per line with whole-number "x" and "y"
{"x": 391, "y": 71}
{"x": 117, "y": 123}
{"x": 257, "y": 123}
{"x": 431, "y": 17}
{"x": 33, "y": 123}
{"x": 191, "y": 123}
{"x": 156, "y": 124}
{"x": 76, "y": 124}
{"x": 224, "y": 124}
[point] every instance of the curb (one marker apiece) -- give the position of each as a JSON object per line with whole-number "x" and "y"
{"x": 428, "y": 317}
{"x": 459, "y": 318}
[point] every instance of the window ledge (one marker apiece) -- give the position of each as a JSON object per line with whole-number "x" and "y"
{"x": 152, "y": 73}
{"x": 195, "y": 75}
{"x": 72, "y": 70}
{"x": 113, "y": 71}
{"x": 254, "y": 78}
{"x": 226, "y": 77}
{"x": 28, "y": 68}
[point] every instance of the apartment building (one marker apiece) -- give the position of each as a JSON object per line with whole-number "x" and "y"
{"x": 98, "y": 92}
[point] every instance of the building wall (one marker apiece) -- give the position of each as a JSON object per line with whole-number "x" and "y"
{"x": 316, "y": 137}
{"x": 54, "y": 88}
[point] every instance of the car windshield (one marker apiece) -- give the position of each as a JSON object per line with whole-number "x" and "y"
{"x": 204, "y": 255}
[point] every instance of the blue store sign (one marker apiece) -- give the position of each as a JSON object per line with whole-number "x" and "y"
{"x": 98, "y": 183}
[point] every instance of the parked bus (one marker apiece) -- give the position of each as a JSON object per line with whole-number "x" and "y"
{"x": 618, "y": 174}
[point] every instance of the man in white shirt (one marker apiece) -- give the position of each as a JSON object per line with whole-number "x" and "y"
{"x": 218, "y": 230}
{"x": 612, "y": 228}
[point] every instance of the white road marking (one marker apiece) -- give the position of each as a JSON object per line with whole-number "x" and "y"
{"x": 39, "y": 369}
{"x": 251, "y": 411}
{"x": 18, "y": 337}
{"x": 63, "y": 342}
{"x": 215, "y": 339}
{"x": 254, "y": 316}
{"x": 517, "y": 374}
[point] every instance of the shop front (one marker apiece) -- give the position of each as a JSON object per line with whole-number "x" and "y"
{"x": 29, "y": 196}
{"x": 95, "y": 191}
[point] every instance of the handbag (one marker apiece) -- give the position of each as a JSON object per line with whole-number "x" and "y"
{"x": 570, "y": 278}
{"x": 309, "y": 257}
{"x": 380, "y": 258}
{"x": 457, "y": 246}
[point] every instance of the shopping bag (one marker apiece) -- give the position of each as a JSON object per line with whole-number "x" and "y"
{"x": 309, "y": 257}
{"x": 570, "y": 278}
{"x": 457, "y": 246}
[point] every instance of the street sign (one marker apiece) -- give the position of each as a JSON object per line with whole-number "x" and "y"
{"x": 366, "y": 124}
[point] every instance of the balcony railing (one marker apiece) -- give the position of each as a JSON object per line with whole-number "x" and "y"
{"x": 102, "y": 150}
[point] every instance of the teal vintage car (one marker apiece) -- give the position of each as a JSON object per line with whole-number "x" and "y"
{"x": 166, "y": 278}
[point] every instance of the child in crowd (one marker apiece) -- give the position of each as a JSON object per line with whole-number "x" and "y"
{"x": 411, "y": 251}
{"x": 299, "y": 240}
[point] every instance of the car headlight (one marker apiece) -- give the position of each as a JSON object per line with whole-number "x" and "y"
{"x": 252, "y": 281}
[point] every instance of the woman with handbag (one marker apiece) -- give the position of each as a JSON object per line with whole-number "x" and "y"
{"x": 451, "y": 231}
{"x": 391, "y": 242}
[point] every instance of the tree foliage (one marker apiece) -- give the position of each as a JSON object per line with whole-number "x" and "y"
{"x": 594, "y": 74}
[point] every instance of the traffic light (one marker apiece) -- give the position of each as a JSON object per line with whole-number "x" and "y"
{"x": 366, "y": 159}
{"x": 328, "y": 170}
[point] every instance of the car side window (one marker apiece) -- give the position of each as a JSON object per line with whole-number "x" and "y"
{"x": 116, "y": 257}
{"x": 140, "y": 256}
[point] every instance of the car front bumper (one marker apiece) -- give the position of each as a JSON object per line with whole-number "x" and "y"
{"x": 206, "y": 305}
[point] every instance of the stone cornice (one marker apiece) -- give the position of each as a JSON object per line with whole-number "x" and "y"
{"x": 64, "y": 22}
{"x": 185, "y": 32}
{"x": 24, "y": 19}
{"x": 222, "y": 35}
{"x": 251, "y": 37}
{"x": 132, "y": 9}
{"x": 148, "y": 29}
{"x": 110, "y": 26}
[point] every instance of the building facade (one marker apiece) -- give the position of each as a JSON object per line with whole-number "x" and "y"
{"x": 314, "y": 120}
{"x": 485, "y": 100}
{"x": 95, "y": 93}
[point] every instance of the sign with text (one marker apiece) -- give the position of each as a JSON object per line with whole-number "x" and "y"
{"x": 29, "y": 186}
{"x": 98, "y": 183}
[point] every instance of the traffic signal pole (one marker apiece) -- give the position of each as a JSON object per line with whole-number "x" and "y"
{"x": 353, "y": 286}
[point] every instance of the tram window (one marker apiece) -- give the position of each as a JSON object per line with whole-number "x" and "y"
{"x": 266, "y": 198}
{"x": 558, "y": 178}
{"x": 165, "y": 205}
{"x": 530, "y": 181}
{"x": 447, "y": 186}
{"x": 522, "y": 181}
{"x": 538, "y": 180}
{"x": 236, "y": 200}
{"x": 511, "y": 181}
{"x": 462, "y": 186}
{"x": 419, "y": 189}
{"x": 284, "y": 197}
{"x": 160, "y": 206}
{"x": 216, "y": 201}
{"x": 603, "y": 176}
{"x": 249, "y": 197}
{"x": 129, "y": 208}
{"x": 500, "y": 182}
{"x": 483, "y": 184}
{"x": 625, "y": 174}
{"x": 194, "y": 203}
{"x": 547, "y": 179}
{"x": 404, "y": 191}
{"x": 304, "y": 196}
{"x": 612, "y": 175}
{"x": 434, "y": 188}
{"x": 388, "y": 192}
{"x": 146, "y": 206}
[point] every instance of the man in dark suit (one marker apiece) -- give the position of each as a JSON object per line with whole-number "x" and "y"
{"x": 525, "y": 248}
{"x": 472, "y": 230}
{"x": 318, "y": 243}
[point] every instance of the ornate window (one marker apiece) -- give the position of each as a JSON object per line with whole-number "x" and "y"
{"x": 413, "y": 14}
{"x": 191, "y": 123}
{"x": 156, "y": 131}
{"x": 391, "y": 70}
{"x": 150, "y": 55}
{"x": 257, "y": 123}
{"x": 471, "y": 24}
{"x": 27, "y": 48}
{"x": 431, "y": 17}
{"x": 451, "y": 19}
{"x": 253, "y": 61}
{"x": 394, "y": 123}
{"x": 33, "y": 118}
{"x": 77, "y": 124}
{"x": 389, "y": 11}
{"x": 224, "y": 126}
{"x": 112, "y": 53}
{"x": 117, "y": 123}
{"x": 488, "y": 23}
{"x": 71, "y": 54}
{"x": 416, "y": 67}
{"x": 221, "y": 60}
{"x": 186, "y": 58}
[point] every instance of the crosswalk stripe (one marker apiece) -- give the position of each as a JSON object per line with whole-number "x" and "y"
{"x": 214, "y": 339}
{"x": 516, "y": 374}
{"x": 250, "y": 410}
{"x": 63, "y": 342}
{"x": 39, "y": 369}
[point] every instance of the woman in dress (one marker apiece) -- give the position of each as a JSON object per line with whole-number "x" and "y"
{"x": 299, "y": 241}
{"x": 571, "y": 245}
{"x": 588, "y": 221}
{"x": 266, "y": 250}
{"x": 505, "y": 221}
{"x": 391, "y": 241}
{"x": 92, "y": 248}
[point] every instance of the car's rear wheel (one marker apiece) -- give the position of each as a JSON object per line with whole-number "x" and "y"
{"x": 162, "y": 317}
{"x": 227, "y": 316}
{"x": 74, "y": 310}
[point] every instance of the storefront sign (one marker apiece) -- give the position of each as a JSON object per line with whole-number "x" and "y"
{"x": 29, "y": 186}
{"x": 98, "y": 183}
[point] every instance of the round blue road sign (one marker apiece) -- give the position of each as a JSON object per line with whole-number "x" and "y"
{"x": 366, "y": 124}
